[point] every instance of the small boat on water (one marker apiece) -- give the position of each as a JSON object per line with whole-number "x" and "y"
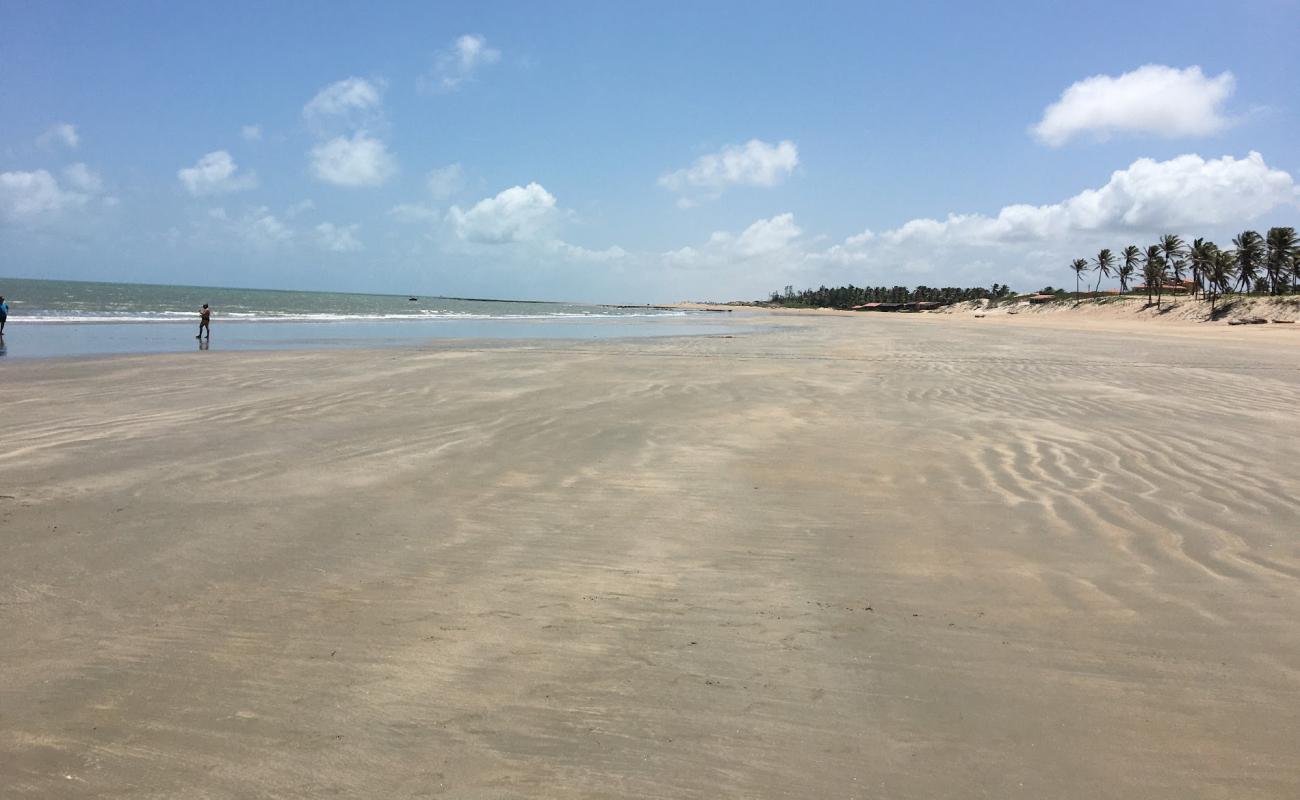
{"x": 413, "y": 299}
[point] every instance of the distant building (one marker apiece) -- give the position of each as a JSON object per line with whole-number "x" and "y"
{"x": 1172, "y": 287}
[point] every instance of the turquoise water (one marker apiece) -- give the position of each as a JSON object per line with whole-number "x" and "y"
{"x": 72, "y": 318}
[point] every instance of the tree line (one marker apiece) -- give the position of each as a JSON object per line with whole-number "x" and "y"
{"x": 1265, "y": 264}
{"x": 845, "y": 297}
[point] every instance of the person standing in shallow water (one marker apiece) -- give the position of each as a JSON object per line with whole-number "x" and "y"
{"x": 4, "y": 314}
{"x": 205, "y": 316}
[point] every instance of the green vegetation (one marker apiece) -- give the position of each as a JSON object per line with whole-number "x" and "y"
{"x": 1267, "y": 264}
{"x": 845, "y": 297}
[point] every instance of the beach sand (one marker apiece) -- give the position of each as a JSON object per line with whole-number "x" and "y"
{"x": 838, "y": 556}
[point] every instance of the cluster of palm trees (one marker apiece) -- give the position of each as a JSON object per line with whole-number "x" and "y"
{"x": 850, "y": 296}
{"x": 1269, "y": 263}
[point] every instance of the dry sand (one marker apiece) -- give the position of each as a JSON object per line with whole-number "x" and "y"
{"x": 863, "y": 557}
{"x": 1178, "y": 310}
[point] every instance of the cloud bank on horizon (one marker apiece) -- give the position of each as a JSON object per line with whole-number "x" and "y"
{"x": 368, "y": 207}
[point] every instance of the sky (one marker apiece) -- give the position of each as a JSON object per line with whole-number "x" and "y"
{"x": 633, "y": 152}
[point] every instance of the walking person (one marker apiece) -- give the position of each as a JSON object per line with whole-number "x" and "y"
{"x": 4, "y": 314}
{"x": 205, "y": 316}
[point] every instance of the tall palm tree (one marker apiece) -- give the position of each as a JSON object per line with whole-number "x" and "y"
{"x": 1132, "y": 256}
{"x": 1079, "y": 266}
{"x": 1250, "y": 253}
{"x": 1172, "y": 247}
{"x": 1153, "y": 272}
{"x": 1199, "y": 256}
{"x": 1281, "y": 243}
{"x": 1103, "y": 263}
{"x": 1219, "y": 273}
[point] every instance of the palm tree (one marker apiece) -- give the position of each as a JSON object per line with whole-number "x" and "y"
{"x": 1199, "y": 256}
{"x": 1131, "y": 257}
{"x": 1173, "y": 249}
{"x": 1219, "y": 273}
{"x": 1105, "y": 260}
{"x": 1250, "y": 252}
{"x": 1079, "y": 266}
{"x": 1281, "y": 243}
{"x": 1153, "y": 272}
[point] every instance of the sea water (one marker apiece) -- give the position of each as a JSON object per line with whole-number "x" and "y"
{"x": 53, "y": 318}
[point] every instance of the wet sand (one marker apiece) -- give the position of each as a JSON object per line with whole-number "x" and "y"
{"x": 872, "y": 556}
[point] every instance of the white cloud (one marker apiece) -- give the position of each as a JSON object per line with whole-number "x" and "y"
{"x": 521, "y": 222}
{"x": 356, "y": 161}
{"x": 38, "y": 195}
{"x": 412, "y": 213}
{"x": 83, "y": 179}
{"x": 445, "y": 181}
{"x": 773, "y": 239}
{"x": 338, "y": 238}
{"x": 755, "y": 163}
{"x": 61, "y": 134}
{"x": 457, "y": 65}
{"x": 24, "y": 195}
{"x": 347, "y": 104}
{"x": 517, "y": 214}
{"x": 215, "y": 173}
{"x": 577, "y": 253}
{"x": 1151, "y": 99}
{"x": 1146, "y": 197}
{"x": 1029, "y": 245}
{"x": 261, "y": 228}
{"x": 1026, "y": 245}
{"x": 251, "y": 133}
{"x": 257, "y": 228}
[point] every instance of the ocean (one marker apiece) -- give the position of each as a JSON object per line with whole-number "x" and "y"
{"x": 57, "y": 318}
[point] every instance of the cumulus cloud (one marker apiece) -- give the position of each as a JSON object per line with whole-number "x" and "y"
{"x": 457, "y": 65}
{"x": 215, "y": 173}
{"x": 1028, "y": 244}
{"x": 345, "y": 105}
{"x": 754, "y": 163}
{"x": 81, "y": 178}
{"x": 251, "y": 133}
{"x": 1153, "y": 99}
{"x": 1148, "y": 196}
{"x": 63, "y": 134}
{"x": 764, "y": 240}
{"x": 338, "y": 238}
{"x": 517, "y": 214}
{"x": 37, "y": 195}
{"x": 257, "y": 228}
{"x": 443, "y": 182}
{"x": 358, "y": 160}
{"x": 520, "y": 222}
{"x": 575, "y": 252}
{"x": 24, "y": 195}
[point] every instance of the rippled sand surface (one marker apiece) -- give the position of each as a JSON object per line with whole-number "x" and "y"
{"x": 835, "y": 557}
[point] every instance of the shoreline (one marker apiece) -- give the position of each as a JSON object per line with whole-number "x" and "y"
{"x": 59, "y": 340}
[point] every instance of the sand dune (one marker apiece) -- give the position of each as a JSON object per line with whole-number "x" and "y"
{"x": 866, "y": 556}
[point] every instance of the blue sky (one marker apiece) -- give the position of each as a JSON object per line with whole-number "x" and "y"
{"x": 612, "y": 152}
